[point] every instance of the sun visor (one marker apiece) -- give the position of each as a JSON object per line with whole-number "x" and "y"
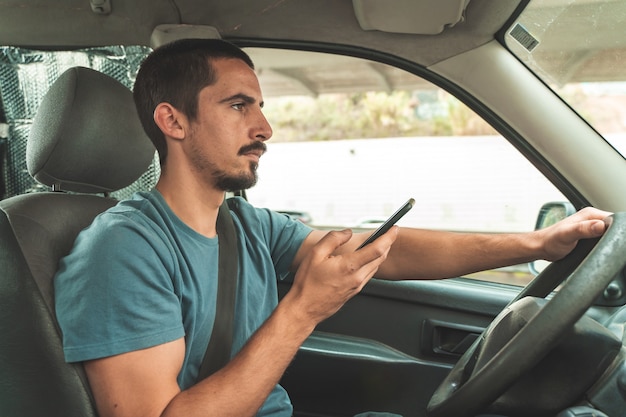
{"x": 419, "y": 17}
{"x": 163, "y": 34}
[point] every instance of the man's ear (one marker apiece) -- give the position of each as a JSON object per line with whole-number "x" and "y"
{"x": 172, "y": 122}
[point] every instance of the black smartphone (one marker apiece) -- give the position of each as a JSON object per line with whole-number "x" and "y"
{"x": 389, "y": 222}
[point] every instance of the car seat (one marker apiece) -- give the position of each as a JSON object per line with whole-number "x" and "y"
{"x": 86, "y": 141}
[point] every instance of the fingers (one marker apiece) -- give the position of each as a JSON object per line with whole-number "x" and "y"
{"x": 588, "y": 223}
{"x": 596, "y": 228}
{"x": 378, "y": 249}
{"x": 325, "y": 280}
{"x": 562, "y": 237}
{"x": 589, "y": 213}
{"x": 328, "y": 244}
{"x": 368, "y": 259}
{"x": 361, "y": 266}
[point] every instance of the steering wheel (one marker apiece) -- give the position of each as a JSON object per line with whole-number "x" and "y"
{"x": 483, "y": 373}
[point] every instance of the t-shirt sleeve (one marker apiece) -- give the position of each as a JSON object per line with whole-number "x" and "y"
{"x": 114, "y": 292}
{"x": 282, "y": 234}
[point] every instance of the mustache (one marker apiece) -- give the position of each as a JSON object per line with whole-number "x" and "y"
{"x": 254, "y": 146}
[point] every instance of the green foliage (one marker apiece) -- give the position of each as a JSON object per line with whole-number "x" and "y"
{"x": 371, "y": 115}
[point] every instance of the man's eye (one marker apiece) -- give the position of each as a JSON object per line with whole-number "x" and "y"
{"x": 237, "y": 106}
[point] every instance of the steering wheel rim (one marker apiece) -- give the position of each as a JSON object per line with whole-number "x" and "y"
{"x": 461, "y": 395}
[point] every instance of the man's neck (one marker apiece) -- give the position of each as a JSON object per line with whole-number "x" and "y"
{"x": 195, "y": 205}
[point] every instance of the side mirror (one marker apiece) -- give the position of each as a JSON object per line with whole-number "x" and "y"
{"x": 550, "y": 214}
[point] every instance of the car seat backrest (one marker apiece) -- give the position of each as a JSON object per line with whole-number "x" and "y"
{"x": 86, "y": 141}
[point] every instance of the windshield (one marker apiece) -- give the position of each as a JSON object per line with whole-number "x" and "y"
{"x": 578, "y": 48}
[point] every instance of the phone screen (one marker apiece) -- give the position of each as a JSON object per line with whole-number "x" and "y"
{"x": 389, "y": 222}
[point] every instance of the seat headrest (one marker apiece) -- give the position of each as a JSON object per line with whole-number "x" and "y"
{"x": 86, "y": 136}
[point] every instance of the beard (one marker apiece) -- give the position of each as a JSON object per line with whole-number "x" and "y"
{"x": 232, "y": 183}
{"x": 228, "y": 181}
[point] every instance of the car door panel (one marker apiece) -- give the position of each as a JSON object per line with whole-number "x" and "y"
{"x": 390, "y": 346}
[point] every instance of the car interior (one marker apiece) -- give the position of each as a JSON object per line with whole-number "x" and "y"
{"x": 89, "y": 150}
{"x": 526, "y": 340}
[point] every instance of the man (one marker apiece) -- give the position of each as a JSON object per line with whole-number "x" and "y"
{"x": 136, "y": 297}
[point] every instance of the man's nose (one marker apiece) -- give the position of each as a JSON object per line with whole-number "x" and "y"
{"x": 263, "y": 130}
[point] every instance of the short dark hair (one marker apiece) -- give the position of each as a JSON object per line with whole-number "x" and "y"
{"x": 175, "y": 73}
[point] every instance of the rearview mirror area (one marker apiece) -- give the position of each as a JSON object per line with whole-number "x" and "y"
{"x": 553, "y": 212}
{"x": 549, "y": 214}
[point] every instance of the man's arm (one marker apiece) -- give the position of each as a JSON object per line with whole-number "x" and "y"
{"x": 422, "y": 254}
{"x": 428, "y": 254}
{"x": 143, "y": 383}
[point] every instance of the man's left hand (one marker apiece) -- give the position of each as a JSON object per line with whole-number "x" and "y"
{"x": 560, "y": 239}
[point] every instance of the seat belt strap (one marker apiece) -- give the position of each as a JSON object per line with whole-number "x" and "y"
{"x": 220, "y": 344}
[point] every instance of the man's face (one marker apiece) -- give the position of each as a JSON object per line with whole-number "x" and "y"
{"x": 227, "y": 138}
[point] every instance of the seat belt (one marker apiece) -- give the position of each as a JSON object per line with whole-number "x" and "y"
{"x": 218, "y": 350}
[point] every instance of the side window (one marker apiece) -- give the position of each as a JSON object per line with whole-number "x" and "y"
{"x": 353, "y": 140}
{"x": 25, "y": 76}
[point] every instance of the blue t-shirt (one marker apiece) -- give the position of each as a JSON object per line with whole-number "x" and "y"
{"x": 139, "y": 277}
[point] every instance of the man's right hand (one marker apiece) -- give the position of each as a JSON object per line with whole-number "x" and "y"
{"x": 324, "y": 281}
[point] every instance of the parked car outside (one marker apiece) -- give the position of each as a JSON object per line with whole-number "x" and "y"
{"x": 302, "y": 216}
